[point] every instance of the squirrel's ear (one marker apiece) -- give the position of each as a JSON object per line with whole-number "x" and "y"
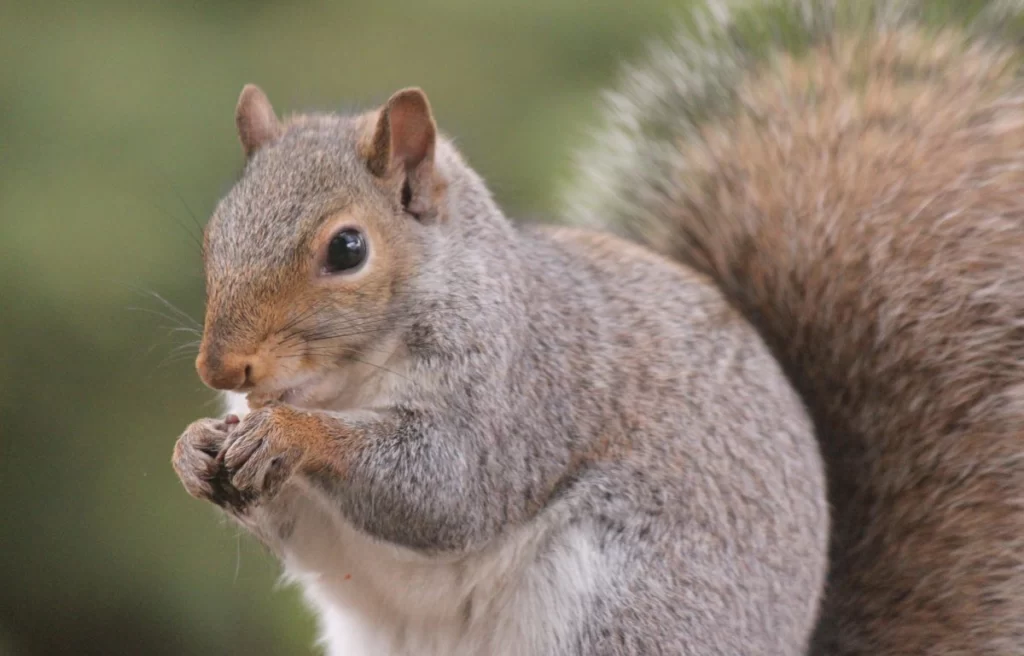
{"x": 405, "y": 134}
{"x": 255, "y": 119}
{"x": 403, "y": 142}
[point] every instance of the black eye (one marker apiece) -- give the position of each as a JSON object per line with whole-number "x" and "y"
{"x": 346, "y": 251}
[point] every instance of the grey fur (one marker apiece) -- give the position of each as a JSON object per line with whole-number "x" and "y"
{"x": 566, "y": 385}
{"x": 866, "y": 215}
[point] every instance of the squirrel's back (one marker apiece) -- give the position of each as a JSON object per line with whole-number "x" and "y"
{"x": 851, "y": 173}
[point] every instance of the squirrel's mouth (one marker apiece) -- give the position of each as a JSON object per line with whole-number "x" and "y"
{"x": 260, "y": 399}
{"x": 312, "y": 389}
{"x": 294, "y": 390}
{"x": 300, "y": 394}
{"x": 290, "y": 395}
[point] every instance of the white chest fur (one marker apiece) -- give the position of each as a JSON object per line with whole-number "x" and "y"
{"x": 523, "y": 595}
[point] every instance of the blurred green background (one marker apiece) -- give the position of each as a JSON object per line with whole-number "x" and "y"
{"x": 116, "y": 139}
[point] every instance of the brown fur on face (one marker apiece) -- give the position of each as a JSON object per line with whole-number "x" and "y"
{"x": 274, "y": 319}
{"x": 311, "y": 318}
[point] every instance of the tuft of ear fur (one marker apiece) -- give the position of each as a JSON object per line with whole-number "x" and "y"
{"x": 403, "y": 144}
{"x": 255, "y": 119}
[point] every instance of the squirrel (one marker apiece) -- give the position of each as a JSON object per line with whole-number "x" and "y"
{"x": 762, "y": 395}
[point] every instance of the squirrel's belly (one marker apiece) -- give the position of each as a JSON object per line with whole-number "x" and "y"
{"x": 522, "y": 596}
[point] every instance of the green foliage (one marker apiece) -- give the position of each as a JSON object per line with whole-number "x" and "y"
{"x": 116, "y": 139}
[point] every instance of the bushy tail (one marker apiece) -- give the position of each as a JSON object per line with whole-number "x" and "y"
{"x": 851, "y": 173}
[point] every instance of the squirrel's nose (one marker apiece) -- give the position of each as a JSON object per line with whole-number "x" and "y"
{"x": 228, "y": 372}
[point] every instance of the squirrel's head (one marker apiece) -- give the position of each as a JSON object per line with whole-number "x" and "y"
{"x": 308, "y": 256}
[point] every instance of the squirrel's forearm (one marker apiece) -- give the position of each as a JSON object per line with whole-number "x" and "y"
{"x": 401, "y": 476}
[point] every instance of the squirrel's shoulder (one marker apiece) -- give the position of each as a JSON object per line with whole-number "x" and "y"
{"x": 612, "y": 253}
{"x": 635, "y": 281}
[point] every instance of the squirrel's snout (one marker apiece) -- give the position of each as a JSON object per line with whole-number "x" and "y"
{"x": 230, "y": 372}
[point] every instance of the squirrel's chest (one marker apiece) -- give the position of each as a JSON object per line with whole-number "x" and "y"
{"x": 525, "y": 595}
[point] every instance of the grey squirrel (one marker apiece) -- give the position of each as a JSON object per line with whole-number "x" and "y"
{"x": 779, "y": 414}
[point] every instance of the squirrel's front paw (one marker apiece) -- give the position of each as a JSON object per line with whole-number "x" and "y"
{"x": 260, "y": 455}
{"x": 195, "y": 461}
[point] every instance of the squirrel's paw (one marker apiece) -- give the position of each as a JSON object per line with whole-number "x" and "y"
{"x": 260, "y": 455}
{"x": 195, "y": 460}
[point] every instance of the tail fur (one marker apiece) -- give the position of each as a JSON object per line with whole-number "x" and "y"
{"x": 851, "y": 174}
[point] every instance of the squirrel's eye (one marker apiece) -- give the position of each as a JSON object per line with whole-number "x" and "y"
{"x": 346, "y": 251}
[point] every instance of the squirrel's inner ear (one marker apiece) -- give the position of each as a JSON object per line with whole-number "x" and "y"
{"x": 255, "y": 119}
{"x": 403, "y": 144}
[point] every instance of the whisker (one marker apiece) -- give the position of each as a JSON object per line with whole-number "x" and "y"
{"x": 395, "y": 313}
{"x": 184, "y": 318}
{"x": 186, "y": 329}
{"x": 168, "y": 361}
{"x": 325, "y": 350}
{"x": 352, "y": 353}
{"x": 352, "y": 328}
{"x": 192, "y": 347}
{"x": 179, "y": 354}
{"x": 163, "y": 315}
{"x": 195, "y": 219}
{"x": 165, "y": 181}
{"x": 344, "y": 352}
{"x": 355, "y": 324}
{"x": 301, "y": 317}
{"x": 176, "y": 310}
{"x": 181, "y": 224}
